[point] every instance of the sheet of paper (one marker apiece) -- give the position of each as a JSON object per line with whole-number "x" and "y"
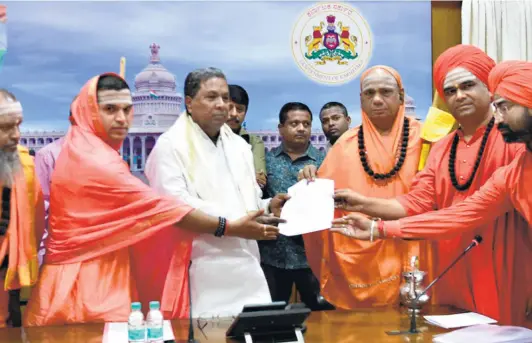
{"x": 309, "y": 209}
{"x": 117, "y": 332}
{"x": 486, "y": 334}
{"x": 459, "y": 320}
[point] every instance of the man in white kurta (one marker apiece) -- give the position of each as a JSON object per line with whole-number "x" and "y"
{"x": 214, "y": 173}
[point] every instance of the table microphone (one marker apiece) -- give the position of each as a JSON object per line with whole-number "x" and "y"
{"x": 476, "y": 241}
{"x": 413, "y": 330}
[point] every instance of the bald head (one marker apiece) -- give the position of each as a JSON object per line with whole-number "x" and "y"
{"x": 378, "y": 76}
{"x": 381, "y": 96}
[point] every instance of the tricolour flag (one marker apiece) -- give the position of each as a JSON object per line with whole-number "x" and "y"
{"x": 153, "y": 94}
{"x": 3, "y": 14}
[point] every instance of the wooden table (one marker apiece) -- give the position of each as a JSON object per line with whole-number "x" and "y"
{"x": 364, "y": 325}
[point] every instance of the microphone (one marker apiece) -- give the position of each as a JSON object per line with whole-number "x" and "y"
{"x": 191, "y": 338}
{"x": 476, "y": 241}
{"x": 413, "y": 330}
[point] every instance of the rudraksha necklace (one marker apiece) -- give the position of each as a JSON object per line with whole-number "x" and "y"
{"x": 452, "y": 158}
{"x": 398, "y": 164}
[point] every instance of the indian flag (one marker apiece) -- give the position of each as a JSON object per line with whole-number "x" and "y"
{"x": 3, "y": 14}
{"x": 153, "y": 94}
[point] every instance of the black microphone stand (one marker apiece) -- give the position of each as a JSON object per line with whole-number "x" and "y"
{"x": 413, "y": 324}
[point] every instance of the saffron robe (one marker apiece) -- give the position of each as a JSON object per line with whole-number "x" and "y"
{"x": 507, "y": 189}
{"x": 96, "y": 214}
{"x": 363, "y": 274}
{"x": 26, "y": 227}
{"x": 475, "y": 283}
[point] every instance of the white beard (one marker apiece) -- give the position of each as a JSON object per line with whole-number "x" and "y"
{"x": 9, "y": 167}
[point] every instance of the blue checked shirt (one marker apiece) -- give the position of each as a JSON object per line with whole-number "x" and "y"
{"x": 286, "y": 252}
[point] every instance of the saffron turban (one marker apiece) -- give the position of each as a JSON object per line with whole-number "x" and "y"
{"x": 468, "y": 57}
{"x": 512, "y": 80}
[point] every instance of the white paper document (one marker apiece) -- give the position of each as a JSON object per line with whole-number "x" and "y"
{"x": 310, "y": 207}
{"x": 486, "y": 334}
{"x": 459, "y": 320}
{"x": 117, "y": 332}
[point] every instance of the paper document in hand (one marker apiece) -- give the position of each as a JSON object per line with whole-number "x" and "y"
{"x": 486, "y": 334}
{"x": 459, "y": 320}
{"x": 310, "y": 207}
{"x": 117, "y": 332}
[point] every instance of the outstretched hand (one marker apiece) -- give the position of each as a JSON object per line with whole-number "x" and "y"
{"x": 348, "y": 200}
{"x": 248, "y": 227}
{"x": 355, "y": 226}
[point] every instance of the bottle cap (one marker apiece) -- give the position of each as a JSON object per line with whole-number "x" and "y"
{"x": 136, "y": 306}
{"x": 154, "y": 305}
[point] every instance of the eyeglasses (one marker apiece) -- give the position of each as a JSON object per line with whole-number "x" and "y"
{"x": 503, "y": 107}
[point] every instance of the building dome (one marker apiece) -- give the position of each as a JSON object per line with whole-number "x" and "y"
{"x": 155, "y": 77}
{"x": 156, "y": 102}
{"x": 409, "y": 101}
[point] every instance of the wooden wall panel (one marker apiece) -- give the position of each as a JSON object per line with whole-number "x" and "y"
{"x": 446, "y": 26}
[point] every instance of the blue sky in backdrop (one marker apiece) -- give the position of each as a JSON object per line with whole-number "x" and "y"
{"x": 55, "y": 47}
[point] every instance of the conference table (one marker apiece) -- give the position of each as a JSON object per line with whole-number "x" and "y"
{"x": 362, "y": 325}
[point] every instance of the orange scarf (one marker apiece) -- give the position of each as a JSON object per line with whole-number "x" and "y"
{"x": 26, "y": 225}
{"x": 357, "y": 273}
{"x": 97, "y": 205}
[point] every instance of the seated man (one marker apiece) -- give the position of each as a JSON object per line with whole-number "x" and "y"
{"x": 98, "y": 209}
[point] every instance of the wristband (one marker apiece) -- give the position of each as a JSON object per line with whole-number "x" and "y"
{"x": 222, "y": 225}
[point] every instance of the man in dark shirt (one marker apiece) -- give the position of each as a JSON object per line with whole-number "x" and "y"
{"x": 284, "y": 261}
{"x": 238, "y": 109}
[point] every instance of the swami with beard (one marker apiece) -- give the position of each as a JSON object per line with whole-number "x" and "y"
{"x": 22, "y": 211}
{"x": 508, "y": 188}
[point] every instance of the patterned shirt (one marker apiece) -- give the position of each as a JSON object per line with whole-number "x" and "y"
{"x": 286, "y": 252}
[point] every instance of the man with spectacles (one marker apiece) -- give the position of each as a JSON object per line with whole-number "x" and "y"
{"x": 511, "y": 84}
{"x": 458, "y": 165}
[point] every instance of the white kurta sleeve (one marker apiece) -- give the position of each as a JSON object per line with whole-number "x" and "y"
{"x": 165, "y": 173}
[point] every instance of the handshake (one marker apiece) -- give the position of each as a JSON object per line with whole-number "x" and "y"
{"x": 352, "y": 225}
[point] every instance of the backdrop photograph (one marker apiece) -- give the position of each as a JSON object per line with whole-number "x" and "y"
{"x": 49, "y": 49}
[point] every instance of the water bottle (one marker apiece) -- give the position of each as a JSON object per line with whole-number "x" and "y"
{"x": 136, "y": 328}
{"x": 154, "y": 323}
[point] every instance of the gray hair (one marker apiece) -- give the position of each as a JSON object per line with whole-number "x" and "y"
{"x": 10, "y": 166}
{"x": 195, "y": 78}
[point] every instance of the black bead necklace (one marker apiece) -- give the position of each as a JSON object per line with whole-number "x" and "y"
{"x": 398, "y": 164}
{"x": 452, "y": 158}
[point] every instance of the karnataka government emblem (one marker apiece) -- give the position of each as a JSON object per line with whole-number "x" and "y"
{"x": 331, "y": 43}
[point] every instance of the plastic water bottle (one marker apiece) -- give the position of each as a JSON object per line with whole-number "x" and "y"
{"x": 154, "y": 323}
{"x": 136, "y": 328}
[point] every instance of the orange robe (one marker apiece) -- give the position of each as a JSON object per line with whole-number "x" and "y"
{"x": 26, "y": 227}
{"x": 98, "y": 210}
{"x": 473, "y": 284}
{"x": 356, "y": 273}
{"x": 508, "y": 188}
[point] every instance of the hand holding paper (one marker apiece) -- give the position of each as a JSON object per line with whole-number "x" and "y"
{"x": 309, "y": 209}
